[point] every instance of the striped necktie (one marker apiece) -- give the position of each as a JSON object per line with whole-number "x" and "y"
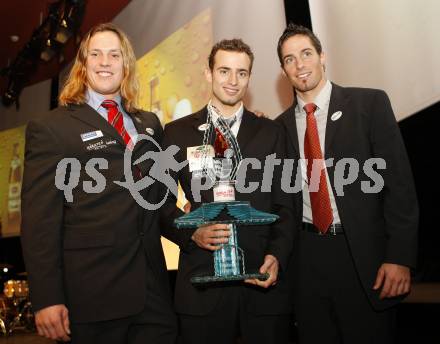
{"x": 115, "y": 119}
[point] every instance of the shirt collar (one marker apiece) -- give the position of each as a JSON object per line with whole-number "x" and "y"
{"x": 95, "y": 99}
{"x": 322, "y": 100}
{"x": 238, "y": 114}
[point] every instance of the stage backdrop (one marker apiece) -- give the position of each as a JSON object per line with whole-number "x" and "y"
{"x": 393, "y": 45}
{"x": 11, "y": 173}
{"x": 172, "y": 41}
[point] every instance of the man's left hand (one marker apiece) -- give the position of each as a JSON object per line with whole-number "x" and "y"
{"x": 394, "y": 279}
{"x": 270, "y": 266}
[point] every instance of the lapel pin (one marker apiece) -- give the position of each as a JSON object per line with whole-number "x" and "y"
{"x": 150, "y": 131}
{"x": 336, "y": 115}
{"x": 137, "y": 119}
{"x": 203, "y": 127}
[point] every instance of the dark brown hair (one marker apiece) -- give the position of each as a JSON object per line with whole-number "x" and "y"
{"x": 293, "y": 30}
{"x": 234, "y": 44}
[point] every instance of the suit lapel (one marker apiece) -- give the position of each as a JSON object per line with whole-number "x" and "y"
{"x": 142, "y": 123}
{"x": 247, "y": 129}
{"x": 199, "y": 119}
{"x": 88, "y": 115}
{"x": 337, "y": 103}
{"x": 290, "y": 123}
{"x": 139, "y": 122}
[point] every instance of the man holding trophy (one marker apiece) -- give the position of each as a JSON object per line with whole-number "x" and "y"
{"x": 214, "y": 141}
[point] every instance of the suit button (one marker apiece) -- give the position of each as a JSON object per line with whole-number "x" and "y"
{"x": 141, "y": 234}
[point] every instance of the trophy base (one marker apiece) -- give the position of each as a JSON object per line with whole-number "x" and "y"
{"x": 213, "y": 279}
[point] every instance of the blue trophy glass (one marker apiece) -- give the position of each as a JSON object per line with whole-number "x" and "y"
{"x": 229, "y": 259}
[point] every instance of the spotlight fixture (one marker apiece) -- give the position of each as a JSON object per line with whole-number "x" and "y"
{"x": 47, "y": 42}
{"x": 63, "y": 33}
{"x": 49, "y": 50}
{"x": 69, "y": 17}
{"x": 11, "y": 94}
{"x": 8, "y": 98}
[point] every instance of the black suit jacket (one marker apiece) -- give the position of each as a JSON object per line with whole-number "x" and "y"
{"x": 97, "y": 253}
{"x": 257, "y": 138}
{"x": 380, "y": 227}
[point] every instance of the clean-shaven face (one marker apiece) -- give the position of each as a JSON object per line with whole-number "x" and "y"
{"x": 104, "y": 64}
{"x": 229, "y": 78}
{"x": 303, "y": 65}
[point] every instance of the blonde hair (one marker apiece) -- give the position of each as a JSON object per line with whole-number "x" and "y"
{"x": 74, "y": 89}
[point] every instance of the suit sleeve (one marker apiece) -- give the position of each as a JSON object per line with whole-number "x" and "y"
{"x": 170, "y": 211}
{"x": 399, "y": 196}
{"x": 42, "y": 216}
{"x": 282, "y": 231}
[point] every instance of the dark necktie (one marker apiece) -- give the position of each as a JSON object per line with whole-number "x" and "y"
{"x": 115, "y": 119}
{"x": 230, "y": 121}
{"x": 320, "y": 200}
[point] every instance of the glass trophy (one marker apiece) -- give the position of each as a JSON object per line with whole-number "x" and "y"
{"x": 229, "y": 259}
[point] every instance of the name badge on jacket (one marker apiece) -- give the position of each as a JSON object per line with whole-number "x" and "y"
{"x": 91, "y": 135}
{"x": 195, "y": 156}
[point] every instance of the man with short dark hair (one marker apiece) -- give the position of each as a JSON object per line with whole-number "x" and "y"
{"x": 355, "y": 246}
{"x": 95, "y": 263}
{"x": 258, "y": 312}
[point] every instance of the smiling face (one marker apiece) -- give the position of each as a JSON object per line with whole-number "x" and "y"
{"x": 229, "y": 78}
{"x": 303, "y": 66}
{"x": 104, "y": 64}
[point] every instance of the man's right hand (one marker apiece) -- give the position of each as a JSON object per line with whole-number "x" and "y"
{"x": 53, "y": 322}
{"x": 210, "y": 237}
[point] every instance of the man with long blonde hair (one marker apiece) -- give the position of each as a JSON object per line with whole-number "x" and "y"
{"x": 94, "y": 259}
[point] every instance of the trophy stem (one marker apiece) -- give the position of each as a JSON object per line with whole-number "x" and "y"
{"x": 228, "y": 260}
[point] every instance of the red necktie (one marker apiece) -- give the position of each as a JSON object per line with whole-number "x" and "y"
{"x": 320, "y": 200}
{"x": 220, "y": 143}
{"x": 115, "y": 119}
